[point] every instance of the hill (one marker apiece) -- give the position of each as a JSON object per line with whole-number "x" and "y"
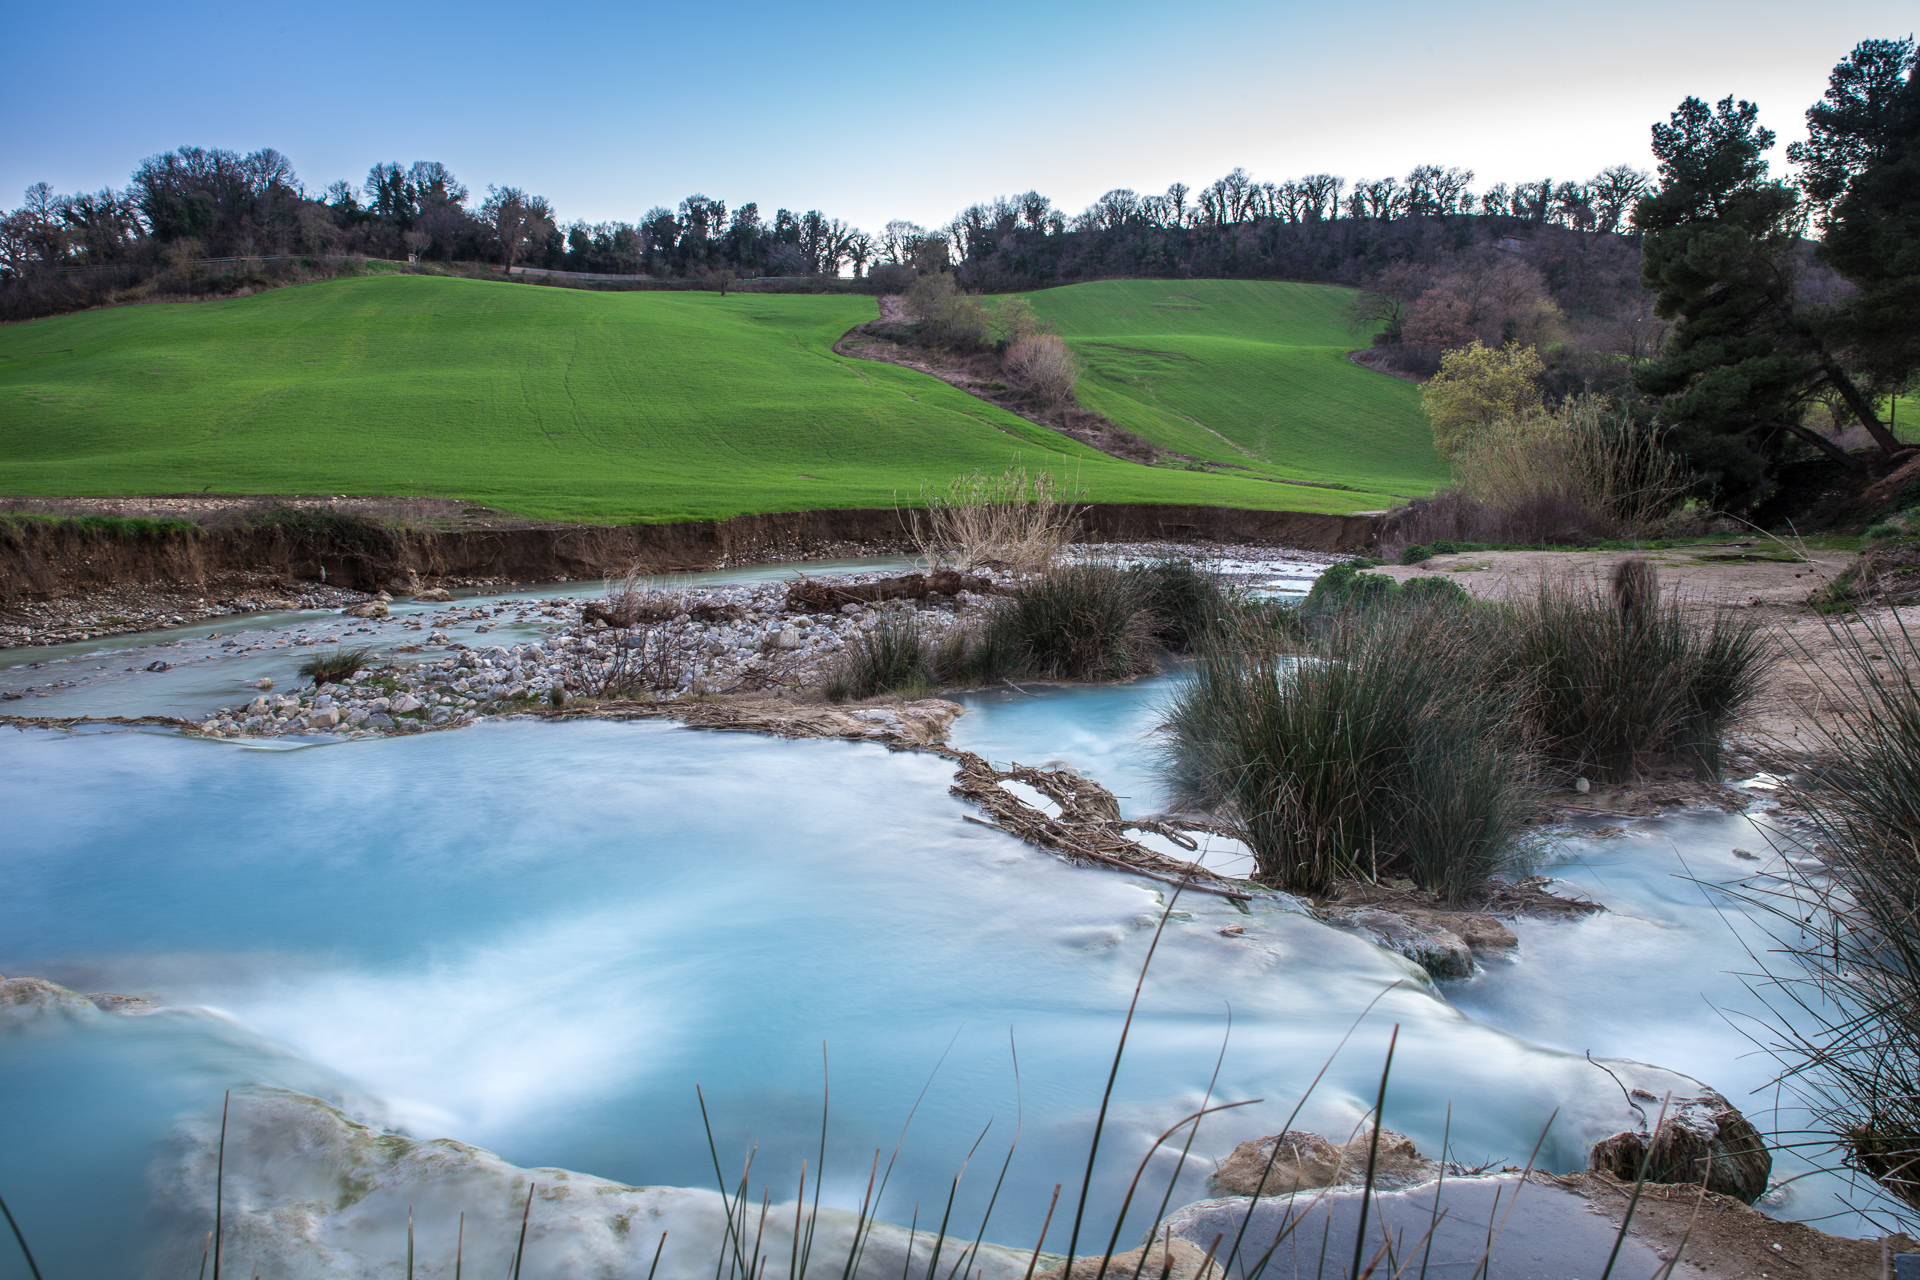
{"x": 1251, "y": 373}
{"x": 550, "y": 403}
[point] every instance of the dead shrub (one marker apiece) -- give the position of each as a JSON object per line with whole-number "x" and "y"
{"x": 1016, "y": 521}
{"x": 1605, "y": 462}
{"x": 1042, "y": 365}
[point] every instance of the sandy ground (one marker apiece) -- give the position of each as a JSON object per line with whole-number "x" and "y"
{"x": 1760, "y": 576}
{"x": 1723, "y": 1239}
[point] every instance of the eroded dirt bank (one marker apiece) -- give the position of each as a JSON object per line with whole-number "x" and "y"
{"x": 201, "y": 571}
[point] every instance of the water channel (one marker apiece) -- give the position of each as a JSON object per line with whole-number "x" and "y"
{"x": 539, "y": 938}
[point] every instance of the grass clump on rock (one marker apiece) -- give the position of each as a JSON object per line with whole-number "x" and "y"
{"x": 337, "y": 666}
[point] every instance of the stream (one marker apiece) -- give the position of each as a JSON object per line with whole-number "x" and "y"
{"x": 538, "y": 938}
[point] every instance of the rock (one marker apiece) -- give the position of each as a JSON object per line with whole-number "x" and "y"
{"x": 379, "y": 720}
{"x": 125, "y": 1006}
{"x": 1484, "y": 933}
{"x": 324, "y": 718}
{"x": 159, "y": 666}
{"x": 433, "y": 595}
{"x": 264, "y": 682}
{"x": 1307, "y": 1160}
{"x": 440, "y": 715}
{"x": 404, "y": 703}
{"x": 788, "y": 639}
{"x": 259, "y": 707}
{"x": 1582, "y": 786}
{"x": 371, "y": 609}
{"x": 1438, "y": 950}
{"x": 1703, "y": 1135}
{"x": 1176, "y": 1259}
{"x": 36, "y": 994}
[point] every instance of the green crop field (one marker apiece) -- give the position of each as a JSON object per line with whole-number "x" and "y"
{"x": 551, "y": 403}
{"x": 1248, "y": 372}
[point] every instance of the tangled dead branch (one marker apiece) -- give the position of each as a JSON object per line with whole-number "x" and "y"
{"x": 821, "y": 597}
{"x": 1088, "y": 827}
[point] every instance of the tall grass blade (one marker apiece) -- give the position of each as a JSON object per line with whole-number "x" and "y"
{"x": 1113, "y": 1074}
{"x": 460, "y": 1245}
{"x": 1180, "y": 1165}
{"x": 656, "y": 1255}
{"x": 1019, "y": 1123}
{"x": 1127, "y": 1201}
{"x": 1639, "y": 1185}
{"x": 1259, "y": 1191}
{"x": 520, "y": 1250}
{"x": 220, "y": 1186}
{"x": 1044, "y": 1224}
{"x": 820, "y": 1167}
{"x": 1373, "y": 1150}
{"x": 27, "y": 1253}
{"x": 409, "y": 1242}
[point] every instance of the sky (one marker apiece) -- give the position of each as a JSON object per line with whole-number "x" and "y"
{"x": 869, "y": 111}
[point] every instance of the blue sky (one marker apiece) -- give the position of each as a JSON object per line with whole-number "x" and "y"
{"x": 871, "y": 111}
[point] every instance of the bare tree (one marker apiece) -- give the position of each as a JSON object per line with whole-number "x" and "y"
{"x": 1614, "y": 191}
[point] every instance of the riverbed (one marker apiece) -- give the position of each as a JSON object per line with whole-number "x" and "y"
{"x": 539, "y": 938}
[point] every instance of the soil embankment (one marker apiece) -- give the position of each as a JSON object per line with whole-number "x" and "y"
{"x": 39, "y": 560}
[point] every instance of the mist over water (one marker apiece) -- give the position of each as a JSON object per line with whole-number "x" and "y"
{"x": 538, "y": 938}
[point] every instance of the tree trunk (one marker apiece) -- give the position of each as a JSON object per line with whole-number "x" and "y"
{"x": 1825, "y": 445}
{"x": 1882, "y": 436}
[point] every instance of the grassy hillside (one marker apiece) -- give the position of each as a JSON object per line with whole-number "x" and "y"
{"x": 1249, "y": 372}
{"x": 547, "y": 402}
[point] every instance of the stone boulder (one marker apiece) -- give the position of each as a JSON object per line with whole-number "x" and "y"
{"x": 371, "y": 609}
{"x": 1703, "y": 1136}
{"x": 1440, "y": 951}
{"x": 433, "y": 595}
{"x": 1293, "y": 1161}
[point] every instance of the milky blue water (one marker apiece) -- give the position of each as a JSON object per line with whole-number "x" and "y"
{"x": 539, "y": 938}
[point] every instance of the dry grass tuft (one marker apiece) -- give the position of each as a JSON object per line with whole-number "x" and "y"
{"x": 1017, "y": 521}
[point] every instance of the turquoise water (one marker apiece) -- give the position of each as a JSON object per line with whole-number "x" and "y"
{"x": 540, "y": 937}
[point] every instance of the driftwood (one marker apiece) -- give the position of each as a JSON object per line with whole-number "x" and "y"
{"x": 1088, "y": 828}
{"x": 809, "y": 596}
{"x": 81, "y": 722}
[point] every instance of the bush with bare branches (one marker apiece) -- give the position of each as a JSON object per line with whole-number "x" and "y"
{"x": 1042, "y": 365}
{"x": 1016, "y": 521}
{"x": 1605, "y": 462}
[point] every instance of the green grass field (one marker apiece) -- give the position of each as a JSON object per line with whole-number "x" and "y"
{"x": 551, "y": 403}
{"x": 1248, "y": 372}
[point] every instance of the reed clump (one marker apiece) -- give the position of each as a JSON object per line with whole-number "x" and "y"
{"x": 1850, "y": 917}
{"x": 1387, "y": 749}
{"x": 337, "y": 666}
{"x": 1080, "y": 621}
{"x": 1622, "y": 676}
{"x": 1384, "y": 730}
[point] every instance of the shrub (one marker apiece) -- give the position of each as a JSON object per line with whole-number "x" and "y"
{"x": 1478, "y": 386}
{"x": 1188, "y": 604}
{"x": 890, "y": 657}
{"x": 948, "y": 317}
{"x": 1042, "y": 365}
{"x": 1384, "y": 752}
{"x": 1546, "y": 519}
{"x": 1078, "y": 622}
{"x": 1619, "y": 682}
{"x": 337, "y": 667}
{"x": 1608, "y": 464}
{"x": 1011, "y": 521}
